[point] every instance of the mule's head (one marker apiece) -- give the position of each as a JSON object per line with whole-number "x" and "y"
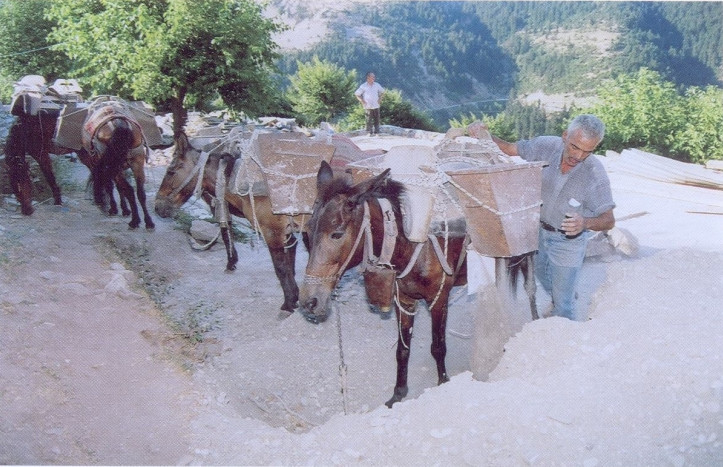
{"x": 332, "y": 232}
{"x": 178, "y": 183}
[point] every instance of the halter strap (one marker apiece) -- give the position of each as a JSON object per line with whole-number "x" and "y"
{"x": 364, "y": 228}
{"x": 389, "y": 241}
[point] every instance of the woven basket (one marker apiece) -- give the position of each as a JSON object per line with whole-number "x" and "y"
{"x": 290, "y": 165}
{"x": 502, "y": 207}
{"x": 68, "y": 133}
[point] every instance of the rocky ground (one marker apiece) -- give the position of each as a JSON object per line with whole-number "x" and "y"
{"x": 130, "y": 347}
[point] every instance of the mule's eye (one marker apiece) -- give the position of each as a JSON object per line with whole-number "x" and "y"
{"x": 337, "y": 235}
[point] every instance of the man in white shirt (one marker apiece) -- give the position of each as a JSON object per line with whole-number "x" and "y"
{"x": 370, "y": 95}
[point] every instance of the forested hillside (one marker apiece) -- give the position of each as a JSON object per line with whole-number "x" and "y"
{"x": 452, "y": 57}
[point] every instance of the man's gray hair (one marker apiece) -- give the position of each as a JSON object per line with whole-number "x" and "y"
{"x": 591, "y": 126}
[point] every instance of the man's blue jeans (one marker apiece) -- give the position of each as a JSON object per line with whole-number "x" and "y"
{"x": 557, "y": 266}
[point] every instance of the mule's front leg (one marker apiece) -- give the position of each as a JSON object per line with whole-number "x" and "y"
{"x": 140, "y": 190}
{"x": 231, "y": 253}
{"x": 439, "y": 339}
{"x": 405, "y": 320}
{"x": 284, "y": 260}
{"x": 19, "y": 175}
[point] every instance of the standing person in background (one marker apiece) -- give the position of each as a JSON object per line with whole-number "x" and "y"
{"x": 370, "y": 95}
{"x": 576, "y": 197}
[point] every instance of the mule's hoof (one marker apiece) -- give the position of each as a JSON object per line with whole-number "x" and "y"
{"x": 383, "y": 312}
{"x": 283, "y": 314}
{"x": 399, "y": 394}
{"x": 392, "y": 401}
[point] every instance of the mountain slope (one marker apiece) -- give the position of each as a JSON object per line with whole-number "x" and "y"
{"x": 456, "y": 57}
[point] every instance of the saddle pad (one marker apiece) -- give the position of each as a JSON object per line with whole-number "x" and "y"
{"x": 412, "y": 165}
{"x": 98, "y": 115}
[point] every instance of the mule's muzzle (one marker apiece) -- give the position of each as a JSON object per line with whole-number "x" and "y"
{"x": 313, "y": 313}
{"x": 164, "y": 207}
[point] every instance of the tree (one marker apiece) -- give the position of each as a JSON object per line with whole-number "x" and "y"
{"x": 700, "y": 134}
{"x": 520, "y": 121}
{"x": 321, "y": 91}
{"x": 23, "y": 46}
{"x": 642, "y": 110}
{"x": 639, "y": 110}
{"x": 172, "y": 52}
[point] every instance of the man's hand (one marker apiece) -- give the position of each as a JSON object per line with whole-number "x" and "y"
{"x": 573, "y": 225}
{"x": 479, "y": 130}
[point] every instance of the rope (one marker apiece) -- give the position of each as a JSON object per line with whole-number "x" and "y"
{"x": 200, "y": 247}
{"x": 31, "y": 50}
{"x": 491, "y": 209}
{"x": 342, "y": 364}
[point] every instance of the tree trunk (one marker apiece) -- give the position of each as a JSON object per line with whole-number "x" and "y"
{"x": 180, "y": 114}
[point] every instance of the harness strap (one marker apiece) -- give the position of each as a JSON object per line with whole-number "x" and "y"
{"x": 389, "y": 241}
{"x": 366, "y": 223}
{"x": 412, "y": 260}
{"x": 440, "y": 255}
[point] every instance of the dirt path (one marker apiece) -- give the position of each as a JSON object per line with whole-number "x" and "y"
{"x": 87, "y": 378}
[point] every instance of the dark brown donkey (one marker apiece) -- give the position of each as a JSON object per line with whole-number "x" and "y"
{"x": 337, "y": 232}
{"x": 115, "y": 141}
{"x": 32, "y": 133}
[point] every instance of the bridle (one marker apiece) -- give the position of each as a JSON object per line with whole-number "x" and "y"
{"x": 364, "y": 228}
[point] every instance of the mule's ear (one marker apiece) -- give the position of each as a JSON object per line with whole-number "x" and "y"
{"x": 324, "y": 176}
{"x": 368, "y": 188}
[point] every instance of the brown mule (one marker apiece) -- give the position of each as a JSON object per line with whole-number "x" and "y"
{"x": 31, "y": 133}
{"x": 337, "y": 232}
{"x": 277, "y": 230}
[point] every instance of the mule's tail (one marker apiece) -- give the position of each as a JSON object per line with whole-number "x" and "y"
{"x": 111, "y": 160}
